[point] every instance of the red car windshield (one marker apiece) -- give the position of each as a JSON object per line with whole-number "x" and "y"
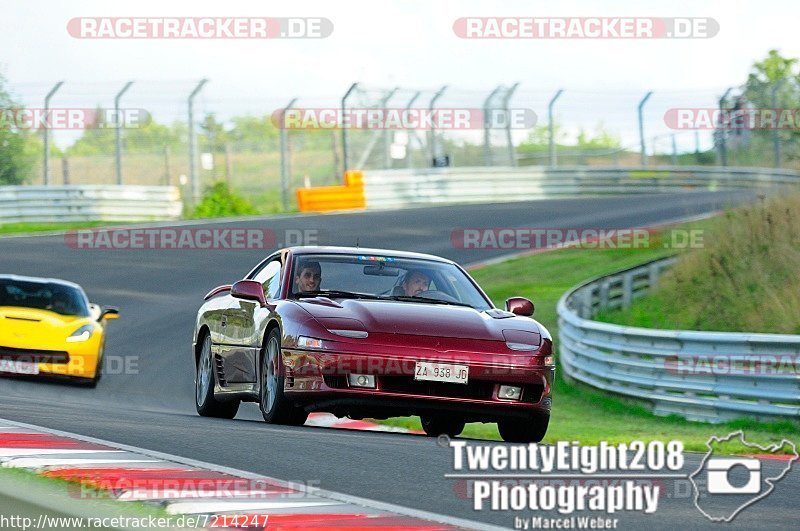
{"x": 385, "y": 277}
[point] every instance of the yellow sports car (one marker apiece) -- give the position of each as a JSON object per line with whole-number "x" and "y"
{"x": 48, "y": 327}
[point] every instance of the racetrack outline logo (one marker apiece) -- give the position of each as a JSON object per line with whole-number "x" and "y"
{"x": 731, "y": 462}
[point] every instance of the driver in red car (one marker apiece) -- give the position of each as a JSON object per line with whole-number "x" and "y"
{"x": 308, "y": 277}
{"x": 415, "y": 282}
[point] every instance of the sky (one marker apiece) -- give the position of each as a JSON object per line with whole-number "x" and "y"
{"x": 382, "y": 44}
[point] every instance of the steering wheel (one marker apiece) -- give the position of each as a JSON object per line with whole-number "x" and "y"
{"x": 436, "y": 295}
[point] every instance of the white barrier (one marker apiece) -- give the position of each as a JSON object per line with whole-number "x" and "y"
{"x": 53, "y": 204}
{"x": 710, "y": 376}
{"x": 400, "y": 188}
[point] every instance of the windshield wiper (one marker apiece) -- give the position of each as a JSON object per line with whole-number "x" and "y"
{"x": 335, "y": 293}
{"x": 406, "y": 298}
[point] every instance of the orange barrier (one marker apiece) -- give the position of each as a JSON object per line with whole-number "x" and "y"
{"x": 329, "y": 198}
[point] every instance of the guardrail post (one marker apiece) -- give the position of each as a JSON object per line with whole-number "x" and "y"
{"x": 604, "y": 289}
{"x": 551, "y": 127}
{"x": 118, "y": 130}
{"x": 627, "y": 290}
{"x": 193, "y": 144}
{"x": 653, "y": 274}
{"x": 46, "y": 134}
{"x": 586, "y": 310}
{"x": 641, "y": 127}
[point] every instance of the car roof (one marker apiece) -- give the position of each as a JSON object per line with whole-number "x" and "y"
{"x": 322, "y": 249}
{"x": 40, "y": 280}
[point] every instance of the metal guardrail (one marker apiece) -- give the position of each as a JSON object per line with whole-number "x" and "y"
{"x": 710, "y": 376}
{"x": 52, "y": 204}
{"x": 400, "y": 188}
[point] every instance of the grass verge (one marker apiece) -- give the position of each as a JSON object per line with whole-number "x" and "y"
{"x": 31, "y": 228}
{"x": 581, "y": 413}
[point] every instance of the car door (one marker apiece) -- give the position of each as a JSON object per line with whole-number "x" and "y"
{"x": 242, "y": 319}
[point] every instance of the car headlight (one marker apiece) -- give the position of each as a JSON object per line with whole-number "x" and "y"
{"x": 81, "y": 334}
{"x": 309, "y": 342}
{"x": 522, "y": 340}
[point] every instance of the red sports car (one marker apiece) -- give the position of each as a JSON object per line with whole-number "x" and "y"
{"x": 370, "y": 333}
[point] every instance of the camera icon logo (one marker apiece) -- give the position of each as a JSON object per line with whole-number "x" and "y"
{"x": 719, "y": 480}
{"x": 724, "y": 484}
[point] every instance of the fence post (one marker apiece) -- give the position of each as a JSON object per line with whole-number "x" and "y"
{"x": 284, "y": 140}
{"x": 65, "y": 169}
{"x": 487, "y": 134}
{"x": 722, "y": 132}
{"x": 387, "y": 159}
{"x": 512, "y": 159}
{"x": 433, "y": 121}
{"x": 193, "y": 145}
{"x": 641, "y": 127}
{"x": 412, "y": 133}
{"x": 46, "y": 134}
{"x": 551, "y": 127}
{"x": 118, "y": 130}
{"x": 345, "y": 147}
{"x": 776, "y": 143}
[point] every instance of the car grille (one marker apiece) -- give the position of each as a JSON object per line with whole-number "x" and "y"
{"x": 531, "y": 394}
{"x": 33, "y": 356}
{"x": 477, "y": 390}
{"x": 335, "y": 381}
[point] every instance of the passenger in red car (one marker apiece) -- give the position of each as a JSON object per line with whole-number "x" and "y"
{"x": 308, "y": 277}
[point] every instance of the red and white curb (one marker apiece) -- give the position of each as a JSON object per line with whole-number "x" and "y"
{"x": 187, "y": 487}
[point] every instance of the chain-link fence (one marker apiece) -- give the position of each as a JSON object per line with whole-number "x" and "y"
{"x": 268, "y": 147}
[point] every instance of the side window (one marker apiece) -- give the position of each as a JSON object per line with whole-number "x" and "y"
{"x": 270, "y": 278}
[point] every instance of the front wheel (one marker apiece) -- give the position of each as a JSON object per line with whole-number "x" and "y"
{"x": 275, "y": 407}
{"x": 528, "y": 430}
{"x": 207, "y": 405}
{"x": 436, "y": 425}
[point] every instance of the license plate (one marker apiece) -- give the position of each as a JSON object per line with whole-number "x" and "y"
{"x": 19, "y": 367}
{"x": 441, "y": 372}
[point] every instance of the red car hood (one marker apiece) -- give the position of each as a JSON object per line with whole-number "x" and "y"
{"x": 410, "y": 318}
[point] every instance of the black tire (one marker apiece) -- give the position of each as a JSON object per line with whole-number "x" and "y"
{"x": 91, "y": 383}
{"x": 205, "y": 402}
{"x": 437, "y": 425}
{"x": 275, "y": 407}
{"x": 517, "y": 430}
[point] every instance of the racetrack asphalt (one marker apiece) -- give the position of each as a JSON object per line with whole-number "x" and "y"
{"x": 159, "y": 291}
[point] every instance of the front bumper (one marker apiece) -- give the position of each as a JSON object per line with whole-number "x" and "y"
{"x": 318, "y": 382}
{"x": 75, "y": 360}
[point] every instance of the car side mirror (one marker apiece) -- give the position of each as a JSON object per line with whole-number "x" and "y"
{"x": 520, "y": 306}
{"x": 109, "y": 314}
{"x": 249, "y": 290}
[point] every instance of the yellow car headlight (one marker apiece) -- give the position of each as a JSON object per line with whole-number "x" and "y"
{"x": 81, "y": 334}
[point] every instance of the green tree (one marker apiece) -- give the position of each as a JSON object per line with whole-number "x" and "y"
{"x": 16, "y": 150}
